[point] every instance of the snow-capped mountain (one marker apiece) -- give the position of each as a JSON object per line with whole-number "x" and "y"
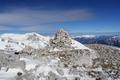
{"x": 113, "y": 40}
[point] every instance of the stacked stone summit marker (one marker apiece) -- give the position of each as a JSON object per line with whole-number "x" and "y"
{"x": 61, "y": 40}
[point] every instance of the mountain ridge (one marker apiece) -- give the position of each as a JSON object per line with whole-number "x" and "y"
{"x": 33, "y": 39}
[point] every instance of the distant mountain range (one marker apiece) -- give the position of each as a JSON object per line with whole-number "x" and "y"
{"x": 113, "y": 40}
{"x": 94, "y": 33}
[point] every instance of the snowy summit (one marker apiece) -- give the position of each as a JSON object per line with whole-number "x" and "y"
{"x": 18, "y": 42}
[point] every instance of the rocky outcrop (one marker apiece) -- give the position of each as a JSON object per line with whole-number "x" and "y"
{"x": 61, "y": 40}
{"x": 109, "y": 59}
{"x": 61, "y": 47}
{"x": 33, "y": 37}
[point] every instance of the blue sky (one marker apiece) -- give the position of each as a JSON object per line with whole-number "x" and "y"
{"x": 47, "y": 16}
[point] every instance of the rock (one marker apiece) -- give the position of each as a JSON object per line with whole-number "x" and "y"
{"x": 61, "y": 40}
{"x": 19, "y": 73}
{"x": 60, "y": 71}
{"x": 77, "y": 78}
{"x": 53, "y": 76}
{"x": 33, "y": 37}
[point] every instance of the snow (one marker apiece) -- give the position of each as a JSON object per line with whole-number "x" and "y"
{"x": 75, "y": 44}
{"x": 15, "y": 37}
{"x": 46, "y": 69}
{"x": 38, "y": 65}
{"x": 18, "y": 41}
{"x": 22, "y": 37}
{"x": 35, "y": 44}
{"x": 30, "y": 63}
{"x": 44, "y": 66}
{"x": 87, "y": 36}
{"x": 10, "y": 74}
{"x": 11, "y": 46}
{"x": 2, "y": 45}
{"x": 78, "y": 45}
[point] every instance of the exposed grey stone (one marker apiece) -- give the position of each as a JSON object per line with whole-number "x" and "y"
{"x": 61, "y": 40}
{"x": 53, "y": 76}
{"x": 60, "y": 71}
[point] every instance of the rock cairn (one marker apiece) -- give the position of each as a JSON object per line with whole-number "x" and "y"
{"x": 61, "y": 40}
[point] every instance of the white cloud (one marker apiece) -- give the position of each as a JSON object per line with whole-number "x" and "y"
{"x": 40, "y": 20}
{"x": 39, "y": 28}
{"x": 36, "y": 17}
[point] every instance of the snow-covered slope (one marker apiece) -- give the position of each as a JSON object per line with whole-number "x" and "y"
{"x": 19, "y": 41}
{"x": 23, "y": 37}
{"x": 10, "y": 74}
{"x": 78, "y": 45}
{"x": 10, "y": 46}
